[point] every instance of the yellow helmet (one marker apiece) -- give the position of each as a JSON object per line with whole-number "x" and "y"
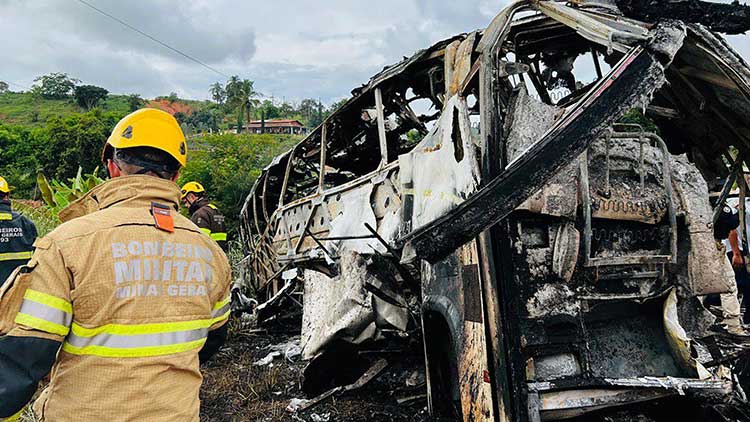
{"x": 148, "y": 127}
{"x": 4, "y": 188}
{"x": 191, "y": 187}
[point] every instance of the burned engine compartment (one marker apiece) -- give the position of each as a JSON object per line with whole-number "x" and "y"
{"x": 492, "y": 195}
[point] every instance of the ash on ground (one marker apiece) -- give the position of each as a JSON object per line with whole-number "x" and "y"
{"x": 258, "y": 374}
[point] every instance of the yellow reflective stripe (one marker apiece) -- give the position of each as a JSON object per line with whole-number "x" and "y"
{"x": 5, "y": 216}
{"x": 12, "y": 256}
{"x": 14, "y": 418}
{"x": 212, "y": 206}
{"x": 222, "y": 303}
{"x": 49, "y": 300}
{"x": 218, "y": 237}
{"x": 221, "y": 317}
{"x": 45, "y": 312}
{"x": 148, "y": 351}
{"x": 207, "y": 231}
{"x": 124, "y": 341}
{"x": 130, "y": 330}
{"x": 221, "y": 310}
{"x": 41, "y": 324}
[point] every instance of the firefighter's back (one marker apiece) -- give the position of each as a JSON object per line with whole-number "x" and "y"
{"x": 17, "y": 234}
{"x": 142, "y": 301}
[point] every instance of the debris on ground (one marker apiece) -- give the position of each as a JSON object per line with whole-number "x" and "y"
{"x": 290, "y": 350}
{"x": 236, "y": 390}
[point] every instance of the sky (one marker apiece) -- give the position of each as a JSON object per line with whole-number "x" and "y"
{"x": 292, "y": 49}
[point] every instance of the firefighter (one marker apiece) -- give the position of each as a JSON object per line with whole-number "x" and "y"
{"x": 17, "y": 235}
{"x": 203, "y": 213}
{"x": 129, "y": 292}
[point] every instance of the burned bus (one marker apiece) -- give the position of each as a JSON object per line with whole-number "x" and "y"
{"x": 533, "y": 198}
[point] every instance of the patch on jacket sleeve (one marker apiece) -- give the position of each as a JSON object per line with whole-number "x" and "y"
{"x": 43, "y": 243}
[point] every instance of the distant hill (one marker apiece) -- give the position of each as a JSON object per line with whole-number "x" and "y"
{"x": 26, "y": 109}
{"x": 22, "y": 108}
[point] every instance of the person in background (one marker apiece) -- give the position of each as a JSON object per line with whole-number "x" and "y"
{"x": 204, "y": 214}
{"x": 726, "y": 231}
{"x": 17, "y": 235}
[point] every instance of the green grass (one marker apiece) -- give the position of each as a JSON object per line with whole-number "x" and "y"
{"x": 42, "y": 217}
{"x": 25, "y": 109}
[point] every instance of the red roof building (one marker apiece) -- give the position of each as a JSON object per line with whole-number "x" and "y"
{"x": 276, "y": 126}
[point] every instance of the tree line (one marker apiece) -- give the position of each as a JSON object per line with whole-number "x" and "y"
{"x": 61, "y": 86}
{"x": 225, "y": 164}
{"x": 57, "y": 148}
{"x": 234, "y": 103}
{"x": 241, "y": 100}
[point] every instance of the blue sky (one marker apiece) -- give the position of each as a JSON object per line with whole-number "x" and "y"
{"x": 293, "y": 49}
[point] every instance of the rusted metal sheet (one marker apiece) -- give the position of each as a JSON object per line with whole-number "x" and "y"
{"x": 476, "y": 394}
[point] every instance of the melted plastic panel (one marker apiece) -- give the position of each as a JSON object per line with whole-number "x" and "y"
{"x": 355, "y": 211}
{"x": 340, "y": 308}
{"x": 443, "y": 169}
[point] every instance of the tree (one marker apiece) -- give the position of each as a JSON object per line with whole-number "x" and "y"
{"x": 268, "y": 110}
{"x": 3, "y": 87}
{"x": 241, "y": 96}
{"x": 135, "y": 102}
{"x": 181, "y": 117}
{"x": 88, "y": 96}
{"x": 74, "y": 141}
{"x": 311, "y": 111}
{"x": 636, "y": 116}
{"x": 172, "y": 97}
{"x": 335, "y": 106}
{"x": 19, "y": 149}
{"x": 202, "y": 120}
{"x": 233, "y": 97}
{"x": 287, "y": 110}
{"x": 227, "y": 166}
{"x": 218, "y": 93}
{"x": 54, "y": 85}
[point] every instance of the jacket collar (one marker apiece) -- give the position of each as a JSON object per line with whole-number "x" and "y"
{"x": 5, "y": 206}
{"x": 198, "y": 204}
{"x": 127, "y": 192}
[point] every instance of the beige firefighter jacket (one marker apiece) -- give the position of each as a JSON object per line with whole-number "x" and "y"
{"x": 131, "y": 303}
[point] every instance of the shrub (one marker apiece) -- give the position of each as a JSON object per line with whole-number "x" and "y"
{"x": 227, "y": 166}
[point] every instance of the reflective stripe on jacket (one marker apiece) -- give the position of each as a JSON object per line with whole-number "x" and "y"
{"x": 131, "y": 304}
{"x": 17, "y": 235}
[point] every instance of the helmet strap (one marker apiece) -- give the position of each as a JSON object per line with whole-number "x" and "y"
{"x": 146, "y": 166}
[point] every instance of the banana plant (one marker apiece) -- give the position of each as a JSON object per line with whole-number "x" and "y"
{"x": 58, "y": 195}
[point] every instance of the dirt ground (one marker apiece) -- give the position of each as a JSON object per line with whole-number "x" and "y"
{"x": 235, "y": 389}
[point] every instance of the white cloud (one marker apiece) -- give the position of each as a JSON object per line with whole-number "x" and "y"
{"x": 293, "y": 49}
